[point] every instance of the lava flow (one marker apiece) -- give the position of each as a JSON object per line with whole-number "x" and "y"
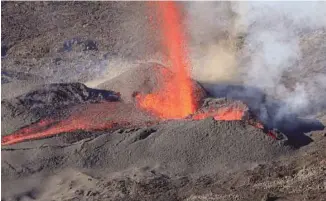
{"x": 175, "y": 99}
{"x": 94, "y": 117}
{"x": 47, "y": 128}
{"x": 222, "y": 114}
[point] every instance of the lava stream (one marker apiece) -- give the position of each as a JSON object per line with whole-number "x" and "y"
{"x": 174, "y": 100}
{"x": 113, "y": 116}
{"x": 91, "y": 118}
{"x": 40, "y": 130}
{"x": 223, "y": 114}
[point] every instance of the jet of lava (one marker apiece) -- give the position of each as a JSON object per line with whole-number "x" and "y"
{"x": 176, "y": 97}
{"x": 174, "y": 100}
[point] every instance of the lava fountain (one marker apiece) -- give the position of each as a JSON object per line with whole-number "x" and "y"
{"x": 175, "y": 99}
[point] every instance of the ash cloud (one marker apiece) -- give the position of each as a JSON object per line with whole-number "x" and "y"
{"x": 212, "y": 44}
{"x": 265, "y": 45}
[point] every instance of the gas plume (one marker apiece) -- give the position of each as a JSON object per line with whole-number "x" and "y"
{"x": 213, "y": 44}
{"x": 270, "y": 46}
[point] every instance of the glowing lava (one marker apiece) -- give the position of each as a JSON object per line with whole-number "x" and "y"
{"x": 233, "y": 114}
{"x": 91, "y": 118}
{"x": 46, "y": 129}
{"x": 113, "y": 116}
{"x": 222, "y": 114}
{"x": 175, "y": 99}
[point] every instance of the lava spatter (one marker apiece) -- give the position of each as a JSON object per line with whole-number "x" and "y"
{"x": 175, "y": 99}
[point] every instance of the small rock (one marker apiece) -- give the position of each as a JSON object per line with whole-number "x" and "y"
{"x": 90, "y": 45}
{"x": 4, "y": 50}
{"x": 57, "y": 61}
{"x": 79, "y": 192}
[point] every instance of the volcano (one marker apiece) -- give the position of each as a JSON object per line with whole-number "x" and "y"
{"x": 175, "y": 97}
{"x": 63, "y": 108}
{"x": 220, "y": 127}
{"x": 85, "y": 128}
{"x": 72, "y": 131}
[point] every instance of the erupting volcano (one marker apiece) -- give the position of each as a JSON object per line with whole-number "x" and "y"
{"x": 175, "y": 99}
{"x": 163, "y": 101}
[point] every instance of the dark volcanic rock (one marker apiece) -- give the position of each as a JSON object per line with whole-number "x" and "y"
{"x": 4, "y": 50}
{"x": 64, "y": 94}
{"x": 48, "y": 100}
{"x": 77, "y": 43}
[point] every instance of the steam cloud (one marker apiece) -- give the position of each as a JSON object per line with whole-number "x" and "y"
{"x": 277, "y": 47}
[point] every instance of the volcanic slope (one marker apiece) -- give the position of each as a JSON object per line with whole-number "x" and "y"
{"x": 17, "y": 83}
{"x": 46, "y": 101}
{"x": 178, "y": 147}
{"x": 146, "y": 78}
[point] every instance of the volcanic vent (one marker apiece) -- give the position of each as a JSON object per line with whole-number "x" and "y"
{"x": 173, "y": 95}
{"x": 219, "y": 134}
{"x": 63, "y": 108}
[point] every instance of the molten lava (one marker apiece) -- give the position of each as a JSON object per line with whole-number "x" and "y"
{"x": 175, "y": 99}
{"x": 223, "y": 114}
{"x": 117, "y": 115}
{"x": 91, "y": 118}
{"x": 47, "y": 128}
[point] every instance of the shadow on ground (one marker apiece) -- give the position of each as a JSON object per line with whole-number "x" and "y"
{"x": 268, "y": 110}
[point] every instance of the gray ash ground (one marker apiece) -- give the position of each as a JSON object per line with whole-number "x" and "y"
{"x": 171, "y": 160}
{"x": 56, "y": 42}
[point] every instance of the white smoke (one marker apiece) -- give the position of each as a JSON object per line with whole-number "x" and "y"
{"x": 211, "y": 51}
{"x": 273, "y": 43}
{"x": 272, "y": 57}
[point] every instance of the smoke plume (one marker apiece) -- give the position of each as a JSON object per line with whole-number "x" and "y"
{"x": 213, "y": 48}
{"x": 276, "y": 47}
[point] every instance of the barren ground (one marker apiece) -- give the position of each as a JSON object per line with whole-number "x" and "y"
{"x": 90, "y": 42}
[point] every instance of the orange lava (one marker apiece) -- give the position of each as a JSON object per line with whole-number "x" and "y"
{"x": 113, "y": 116}
{"x": 38, "y": 130}
{"x": 222, "y": 114}
{"x": 231, "y": 114}
{"x": 91, "y": 118}
{"x": 175, "y": 99}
